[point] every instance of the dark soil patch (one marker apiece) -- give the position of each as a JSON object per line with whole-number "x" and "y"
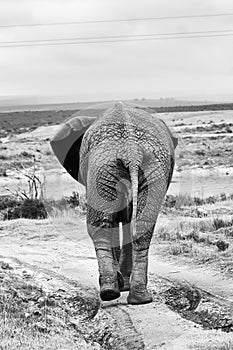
{"x": 196, "y": 305}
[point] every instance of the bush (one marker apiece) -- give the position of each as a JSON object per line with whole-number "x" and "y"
{"x": 180, "y": 201}
{"x": 28, "y": 209}
{"x": 26, "y": 154}
{"x": 179, "y": 248}
{"x": 8, "y": 202}
{"x": 211, "y": 200}
{"x": 218, "y": 223}
{"x": 198, "y": 201}
{"x": 223, "y": 197}
{"x": 74, "y": 200}
{"x": 222, "y": 245}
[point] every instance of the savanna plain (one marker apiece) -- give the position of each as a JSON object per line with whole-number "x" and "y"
{"x": 48, "y": 271}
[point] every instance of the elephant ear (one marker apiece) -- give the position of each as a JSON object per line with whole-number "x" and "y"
{"x": 67, "y": 141}
{"x": 174, "y": 139}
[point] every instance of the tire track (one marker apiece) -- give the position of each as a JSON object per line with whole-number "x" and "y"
{"x": 128, "y": 336}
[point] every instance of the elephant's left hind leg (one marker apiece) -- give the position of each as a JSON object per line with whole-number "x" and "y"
{"x": 108, "y": 276}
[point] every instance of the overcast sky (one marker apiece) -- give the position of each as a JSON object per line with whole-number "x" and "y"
{"x": 200, "y": 68}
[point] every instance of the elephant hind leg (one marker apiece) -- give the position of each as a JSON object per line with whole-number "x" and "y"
{"x": 149, "y": 202}
{"x": 101, "y": 235}
{"x": 108, "y": 275}
{"x": 138, "y": 293}
{"x": 126, "y": 256}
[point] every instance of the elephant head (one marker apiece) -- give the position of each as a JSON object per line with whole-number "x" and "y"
{"x": 125, "y": 158}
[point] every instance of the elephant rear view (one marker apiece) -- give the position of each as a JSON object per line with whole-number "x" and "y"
{"x": 126, "y": 160}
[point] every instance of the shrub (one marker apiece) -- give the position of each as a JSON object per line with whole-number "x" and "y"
{"x": 198, "y": 201}
{"x": 181, "y": 248}
{"x": 223, "y": 197}
{"x": 218, "y": 223}
{"x": 211, "y": 200}
{"x": 74, "y": 199}
{"x": 2, "y": 157}
{"x": 8, "y": 202}
{"x": 27, "y": 208}
{"x": 26, "y": 154}
{"x": 222, "y": 245}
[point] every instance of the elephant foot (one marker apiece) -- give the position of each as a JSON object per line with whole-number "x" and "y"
{"x": 126, "y": 285}
{"x": 110, "y": 286}
{"x": 108, "y": 293}
{"x": 139, "y": 297}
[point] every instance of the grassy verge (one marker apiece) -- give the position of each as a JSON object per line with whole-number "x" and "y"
{"x": 214, "y": 344}
{"x": 15, "y": 207}
{"x": 34, "y": 319}
{"x": 198, "y": 230}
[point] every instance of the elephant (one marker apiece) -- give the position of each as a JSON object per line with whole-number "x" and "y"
{"x": 125, "y": 159}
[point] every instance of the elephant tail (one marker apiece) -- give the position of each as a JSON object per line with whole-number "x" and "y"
{"x": 134, "y": 181}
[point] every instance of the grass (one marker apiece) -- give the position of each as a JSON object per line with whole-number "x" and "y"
{"x": 203, "y": 230}
{"x": 196, "y": 231}
{"x": 214, "y": 344}
{"x": 18, "y": 122}
{"x": 180, "y": 201}
{"x": 219, "y": 223}
{"x": 199, "y": 241}
{"x": 66, "y": 207}
{"x": 32, "y": 320}
{"x": 13, "y": 207}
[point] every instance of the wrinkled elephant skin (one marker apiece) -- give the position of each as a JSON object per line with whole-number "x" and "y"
{"x": 125, "y": 158}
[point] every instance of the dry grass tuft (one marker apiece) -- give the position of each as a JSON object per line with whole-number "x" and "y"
{"x": 214, "y": 344}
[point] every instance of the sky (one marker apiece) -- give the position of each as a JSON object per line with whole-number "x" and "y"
{"x": 194, "y": 68}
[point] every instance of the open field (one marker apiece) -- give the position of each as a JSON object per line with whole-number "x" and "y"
{"x": 191, "y": 267}
{"x": 203, "y": 156}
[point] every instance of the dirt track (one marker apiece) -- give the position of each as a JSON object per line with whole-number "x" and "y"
{"x": 63, "y": 250}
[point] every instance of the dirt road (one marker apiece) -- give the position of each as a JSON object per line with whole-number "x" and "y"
{"x": 63, "y": 248}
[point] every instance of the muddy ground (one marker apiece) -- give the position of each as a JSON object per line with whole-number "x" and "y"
{"x": 190, "y": 277}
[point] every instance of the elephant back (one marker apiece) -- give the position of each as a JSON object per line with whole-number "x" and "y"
{"x": 121, "y": 122}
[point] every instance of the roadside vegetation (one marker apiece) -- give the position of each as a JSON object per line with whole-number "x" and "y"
{"x": 197, "y": 230}
{"x": 32, "y": 208}
{"x": 32, "y": 318}
{"x": 30, "y": 203}
{"x": 214, "y": 344}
